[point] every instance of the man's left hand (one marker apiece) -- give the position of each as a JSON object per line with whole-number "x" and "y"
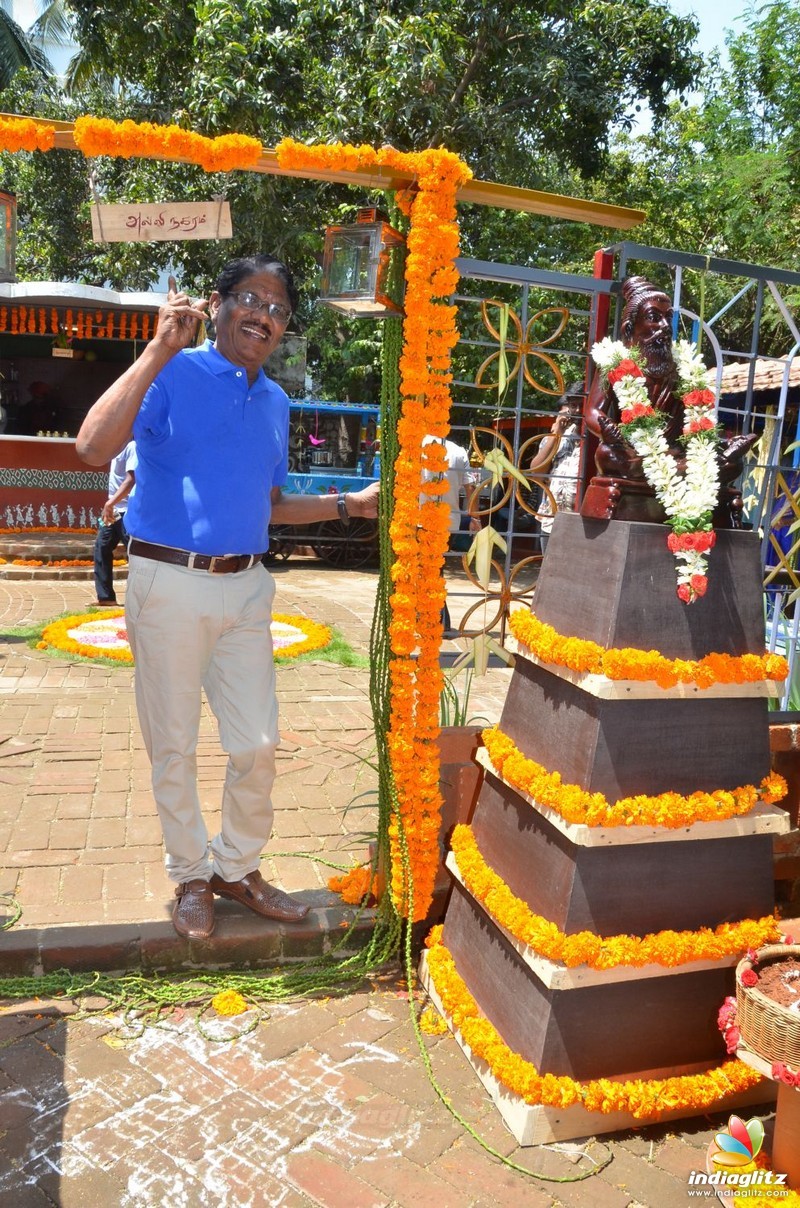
{"x": 363, "y": 503}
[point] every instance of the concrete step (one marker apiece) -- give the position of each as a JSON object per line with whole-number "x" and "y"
{"x": 241, "y": 940}
{"x": 51, "y": 547}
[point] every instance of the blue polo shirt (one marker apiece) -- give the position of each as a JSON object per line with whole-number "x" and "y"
{"x": 210, "y": 448}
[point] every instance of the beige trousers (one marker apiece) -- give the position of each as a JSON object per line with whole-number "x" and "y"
{"x": 190, "y": 630}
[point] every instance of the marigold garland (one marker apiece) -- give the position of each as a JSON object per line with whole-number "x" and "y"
{"x": 431, "y": 1023}
{"x": 17, "y": 319}
{"x": 25, "y": 134}
{"x": 642, "y": 1099}
{"x": 667, "y": 948}
{"x": 62, "y": 562}
{"x": 419, "y": 531}
{"x": 38, "y": 528}
{"x": 670, "y": 810}
{"x": 585, "y": 656}
{"x": 101, "y": 136}
{"x": 355, "y": 885}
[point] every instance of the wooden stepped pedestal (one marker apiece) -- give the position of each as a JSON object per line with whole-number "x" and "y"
{"x": 614, "y": 583}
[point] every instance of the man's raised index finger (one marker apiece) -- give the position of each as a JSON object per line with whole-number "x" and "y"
{"x": 172, "y": 285}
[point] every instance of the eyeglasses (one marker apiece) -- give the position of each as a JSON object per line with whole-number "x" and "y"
{"x": 252, "y": 302}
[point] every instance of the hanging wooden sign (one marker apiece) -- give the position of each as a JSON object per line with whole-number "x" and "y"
{"x": 135, "y": 223}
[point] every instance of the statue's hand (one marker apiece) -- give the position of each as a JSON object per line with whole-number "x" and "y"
{"x": 611, "y": 433}
{"x": 615, "y": 457}
{"x": 738, "y": 447}
{"x": 731, "y": 454}
{"x": 664, "y": 398}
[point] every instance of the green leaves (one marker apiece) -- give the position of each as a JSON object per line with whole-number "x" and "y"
{"x": 480, "y": 553}
{"x": 17, "y": 50}
{"x": 496, "y": 462}
{"x": 502, "y": 360}
{"x": 515, "y": 89}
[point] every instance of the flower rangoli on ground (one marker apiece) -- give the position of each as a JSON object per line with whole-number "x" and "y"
{"x": 105, "y": 636}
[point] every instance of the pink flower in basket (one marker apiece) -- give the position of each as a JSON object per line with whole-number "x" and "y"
{"x": 783, "y": 1074}
{"x": 726, "y": 1022}
{"x": 727, "y": 1013}
{"x": 731, "y": 1036}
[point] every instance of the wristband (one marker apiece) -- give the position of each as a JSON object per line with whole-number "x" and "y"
{"x": 341, "y": 505}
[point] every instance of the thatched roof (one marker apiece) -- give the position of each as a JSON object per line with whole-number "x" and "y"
{"x": 768, "y": 375}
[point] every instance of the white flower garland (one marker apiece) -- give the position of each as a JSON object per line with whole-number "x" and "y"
{"x": 689, "y": 498}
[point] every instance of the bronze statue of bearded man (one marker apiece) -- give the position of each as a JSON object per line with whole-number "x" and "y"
{"x": 620, "y": 489}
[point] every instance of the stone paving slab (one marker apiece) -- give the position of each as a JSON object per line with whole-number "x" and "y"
{"x": 326, "y": 1103}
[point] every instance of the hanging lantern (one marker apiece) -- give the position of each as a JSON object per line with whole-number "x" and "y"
{"x": 355, "y": 267}
{"x": 8, "y": 237}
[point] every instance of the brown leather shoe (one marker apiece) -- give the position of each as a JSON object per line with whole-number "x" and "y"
{"x": 255, "y": 893}
{"x": 193, "y": 913}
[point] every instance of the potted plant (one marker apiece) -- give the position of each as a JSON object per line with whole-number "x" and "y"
{"x": 62, "y": 346}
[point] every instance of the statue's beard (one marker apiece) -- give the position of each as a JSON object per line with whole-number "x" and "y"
{"x": 659, "y": 361}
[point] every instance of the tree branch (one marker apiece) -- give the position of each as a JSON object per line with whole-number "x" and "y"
{"x": 478, "y": 55}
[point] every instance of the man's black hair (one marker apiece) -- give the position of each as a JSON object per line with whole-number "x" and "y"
{"x": 237, "y": 271}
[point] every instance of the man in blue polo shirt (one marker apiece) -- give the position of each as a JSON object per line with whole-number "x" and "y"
{"x": 211, "y": 434}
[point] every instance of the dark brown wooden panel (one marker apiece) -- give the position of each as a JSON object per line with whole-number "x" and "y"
{"x": 592, "y": 1031}
{"x": 614, "y": 582}
{"x": 623, "y": 747}
{"x": 630, "y": 888}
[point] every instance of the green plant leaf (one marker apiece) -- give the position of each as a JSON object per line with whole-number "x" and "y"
{"x": 502, "y": 360}
{"x": 498, "y": 464}
{"x": 482, "y": 645}
{"x": 480, "y": 552}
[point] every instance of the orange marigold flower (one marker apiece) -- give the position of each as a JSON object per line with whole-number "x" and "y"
{"x": 642, "y": 1099}
{"x": 102, "y": 136}
{"x": 25, "y": 134}
{"x": 576, "y": 805}
{"x": 355, "y": 885}
{"x": 582, "y": 655}
{"x": 668, "y": 948}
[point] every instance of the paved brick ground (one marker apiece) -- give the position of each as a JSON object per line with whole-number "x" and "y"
{"x": 79, "y": 838}
{"x": 327, "y": 1102}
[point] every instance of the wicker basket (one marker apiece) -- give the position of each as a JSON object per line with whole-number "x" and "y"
{"x": 769, "y": 1030}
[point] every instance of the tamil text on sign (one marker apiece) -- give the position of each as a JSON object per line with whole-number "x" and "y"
{"x": 135, "y": 223}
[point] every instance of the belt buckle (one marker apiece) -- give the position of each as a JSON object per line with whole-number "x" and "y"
{"x": 212, "y": 565}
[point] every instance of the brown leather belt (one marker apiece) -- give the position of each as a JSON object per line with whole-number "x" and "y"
{"x": 225, "y": 564}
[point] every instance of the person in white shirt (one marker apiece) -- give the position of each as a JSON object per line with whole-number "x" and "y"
{"x": 460, "y": 477}
{"x": 564, "y": 466}
{"x": 111, "y": 530}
